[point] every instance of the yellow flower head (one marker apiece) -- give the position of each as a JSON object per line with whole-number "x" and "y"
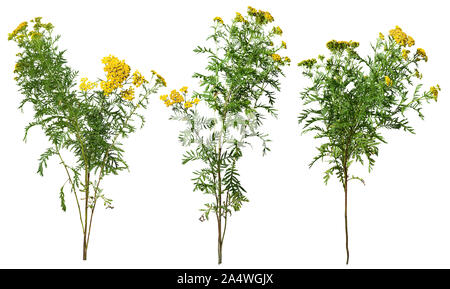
{"x": 17, "y": 68}
{"x": 387, "y": 80}
{"x": 283, "y": 44}
{"x": 138, "y": 79}
{"x": 268, "y": 16}
{"x": 421, "y": 53}
{"x": 117, "y": 72}
{"x": 187, "y": 104}
{"x": 86, "y": 85}
{"x": 401, "y": 37}
{"x": 196, "y": 100}
{"x": 176, "y": 97}
{"x": 167, "y": 102}
{"x": 435, "y": 91}
{"x": 35, "y": 35}
{"x": 251, "y": 11}
{"x": 381, "y": 36}
{"x": 405, "y": 54}
{"x": 159, "y": 79}
{"x": 308, "y": 63}
{"x": 239, "y": 17}
{"x": 163, "y": 97}
{"x": 261, "y": 17}
{"x": 218, "y": 19}
{"x": 127, "y": 94}
{"x": 410, "y": 41}
{"x": 334, "y": 45}
{"x": 276, "y": 57}
{"x": 277, "y": 30}
{"x": 184, "y": 89}
{"x": 22, "y": 26}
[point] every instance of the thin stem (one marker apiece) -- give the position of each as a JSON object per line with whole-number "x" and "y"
{"x": 346, "y": 222}
{"x": 86, "y": 206}
{"x": 73, "y": 187}
{"x": 225, "y": 217}
{"x": 219, "y": 220}
{"x": 86, "y": 170}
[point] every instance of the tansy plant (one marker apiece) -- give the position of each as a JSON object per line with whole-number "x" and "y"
{"x": 84, "y": 125}
{"x": 352, "y": 99}
{"x": 238, "y": 90}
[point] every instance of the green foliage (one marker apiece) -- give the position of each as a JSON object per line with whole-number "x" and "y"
{"x": 239, "y": 89}
{"x": 353, "y": 98}
{"x": 85, "y": 122}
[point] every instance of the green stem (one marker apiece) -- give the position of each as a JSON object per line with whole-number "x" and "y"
{"x": 73, "y": 187}
{"x": 85, "y": 244}
{"x": 86, "y": 170}
{"x": 219, "y": 204}
{"x": 346, "y": 222}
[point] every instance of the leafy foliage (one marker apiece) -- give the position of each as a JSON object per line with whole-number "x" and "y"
{"x": 352, "y": 99}
{"x": 87, "y": 122}
{"x": 239, "y": 89}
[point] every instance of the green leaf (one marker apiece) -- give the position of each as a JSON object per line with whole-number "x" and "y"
{"x": 61, "y": 197}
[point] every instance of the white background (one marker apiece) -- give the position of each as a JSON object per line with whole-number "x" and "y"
{"x": 401, "y": 218}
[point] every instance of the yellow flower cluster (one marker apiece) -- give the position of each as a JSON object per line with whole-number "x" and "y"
{"x": 277, "y": 30}
{"x": 164, "y": 98}
{"x": 86, "y": 85}
{"x": 401, "y": 37}
{"x": 38, "y": 24}
{"x": 239, "y": 18}
{"x": 127, "y": 94}
{"x": 177, "y": 97}
{"x": 308, "y": 63}
{"x": 421, "y": 53}
{"x": 268, "y": 17}
{"x": 17, "y": 68}
{"x": 405, "y": 53}
{"x": 283, "y": 44}
{"x": 35, "y": 35}
{"x": 276, "y": 57}
{"x": 22, "y": 26}
{"x": 159, "y": 78}
{"x": 117, "y": 72}
{"x": 218, "y": 19}
{"x": 263, "y": 17}
{"x": 138, "y": 79}
{"x": 334, "y": 45}
{"x": 287, "y": 60}
{"x": 387, "y": 80}
{"x": 20, "y": 33}
{"x": 251, "y": 10}
{"x": 435, "y": 91}
{"x": 381, "y": 36}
